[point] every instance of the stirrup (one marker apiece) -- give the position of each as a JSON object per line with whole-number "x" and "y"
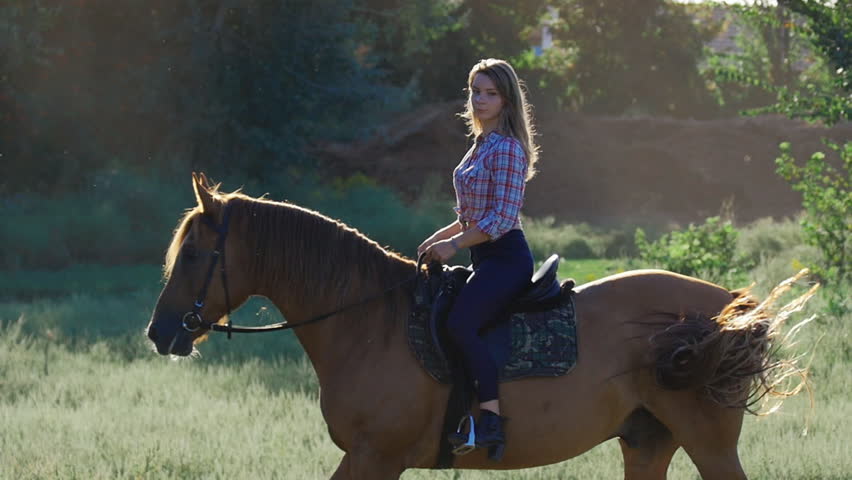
{"x": 463, "y": 444}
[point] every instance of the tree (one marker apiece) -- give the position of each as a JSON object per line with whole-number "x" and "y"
{"x": 171, "y": 85}
{"x": 642, "y": 56}
{"x": 766, "y": 50}
{"x": 448, "y": 38}
{"x": 827, "y": 26}
{"x": 826, "y": 191}
{"x": 26, "y": 56}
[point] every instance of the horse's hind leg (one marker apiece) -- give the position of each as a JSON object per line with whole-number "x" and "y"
{"x": 711, "y": 443}
{"x": 647, "y": 446}
{"x": 708, "y": 432}
{"x": 647, "y": 464}
{"x": 717, "y": 465}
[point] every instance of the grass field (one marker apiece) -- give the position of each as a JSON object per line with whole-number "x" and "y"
{"x": 82, "y": 396}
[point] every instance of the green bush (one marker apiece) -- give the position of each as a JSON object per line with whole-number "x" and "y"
{"x": 703, "y": 250}
{"x": 574, "y": 240}
{"x": 569, "y": 241}
{"x": 120, "y": 218}
{"x": 827, "y": 200}
{"x": 127, "y": 218}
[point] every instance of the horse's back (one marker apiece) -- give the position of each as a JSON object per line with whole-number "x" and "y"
{"x": 617, "y": 315}
{"x": 640, "y": 292}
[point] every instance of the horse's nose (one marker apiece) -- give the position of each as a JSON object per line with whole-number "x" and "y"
{"x": 152, "y": 333}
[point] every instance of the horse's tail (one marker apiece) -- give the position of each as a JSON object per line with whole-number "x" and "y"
{"x": 733, "y": 356}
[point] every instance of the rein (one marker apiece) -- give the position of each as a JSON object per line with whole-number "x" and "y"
{"x": 192, "y": 321}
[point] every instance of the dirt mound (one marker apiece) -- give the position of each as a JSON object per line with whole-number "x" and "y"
{"x": 608, "y": 171}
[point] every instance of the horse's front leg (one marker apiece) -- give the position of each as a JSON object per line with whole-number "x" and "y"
{"x": 366, "y": 467}
{"x": 342, "y": 472}
{"x": 365, "y": 464}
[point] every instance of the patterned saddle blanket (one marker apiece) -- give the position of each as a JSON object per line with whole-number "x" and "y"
{"x": 536, "y": 343}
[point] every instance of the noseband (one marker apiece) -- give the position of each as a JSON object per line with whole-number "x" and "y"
{"x": 192, "y": 320}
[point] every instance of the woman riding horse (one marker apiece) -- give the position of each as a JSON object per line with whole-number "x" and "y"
{"x": 489, "y": 184}
{"x": 665, "y": 361}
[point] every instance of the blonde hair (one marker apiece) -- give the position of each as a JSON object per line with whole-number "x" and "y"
{"x": 515, "y": 117}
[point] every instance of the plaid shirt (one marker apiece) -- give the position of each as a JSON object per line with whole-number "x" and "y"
{"x": 490, "y": 183}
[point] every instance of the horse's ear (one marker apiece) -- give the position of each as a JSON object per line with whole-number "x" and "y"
{"x": 205, "y": 181}
{"x": 202, "y": 193}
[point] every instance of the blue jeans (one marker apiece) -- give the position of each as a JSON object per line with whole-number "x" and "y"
{"x": 501, "y": 271}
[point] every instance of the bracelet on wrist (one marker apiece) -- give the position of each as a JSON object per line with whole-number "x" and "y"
{"x": 454, "y": 244}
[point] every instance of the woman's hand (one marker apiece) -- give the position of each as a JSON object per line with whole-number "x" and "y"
{"x": 425, "y": 245}
{"x": 440, "y": 235}
{"x": 441, "y": 251}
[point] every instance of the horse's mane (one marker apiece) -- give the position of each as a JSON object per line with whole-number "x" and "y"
{"x": 278, "y": 229}
{"x": 178, "y": 237}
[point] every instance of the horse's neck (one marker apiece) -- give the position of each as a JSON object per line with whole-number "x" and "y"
{"x": 303, "y": 294}
{"x": 341, "y": 342}
{"x": 303, "y": 290}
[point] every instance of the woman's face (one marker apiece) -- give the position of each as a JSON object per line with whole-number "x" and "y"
{"x": 486, "y": 100}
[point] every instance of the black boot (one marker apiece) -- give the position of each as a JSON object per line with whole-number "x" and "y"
{"x": 489, "y": 434}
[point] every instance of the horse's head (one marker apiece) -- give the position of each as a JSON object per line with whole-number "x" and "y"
{"x": 203, "y": 278}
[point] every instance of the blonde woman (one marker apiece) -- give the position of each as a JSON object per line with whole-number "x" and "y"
{"x": 489, "y": 184}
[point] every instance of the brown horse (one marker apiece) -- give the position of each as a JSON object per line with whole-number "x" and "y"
{"x": 659, "y": 367}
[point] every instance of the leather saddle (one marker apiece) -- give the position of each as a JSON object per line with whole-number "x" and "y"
{"x": 434, "y": 299}
{"x": 444, "y": 283}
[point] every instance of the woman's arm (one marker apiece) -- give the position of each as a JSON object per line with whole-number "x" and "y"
{"x": 469, "y": 238}
{"x": 442, "y": 234}
{"x": 443, "y": 250}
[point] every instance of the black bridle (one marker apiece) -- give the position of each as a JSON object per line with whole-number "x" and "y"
{"x": 193, "y": 322}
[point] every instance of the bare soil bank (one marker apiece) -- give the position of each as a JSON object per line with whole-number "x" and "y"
{"x": 605, "y": 170}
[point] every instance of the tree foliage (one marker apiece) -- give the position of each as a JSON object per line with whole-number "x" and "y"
{"x": 763, "y": 60}
{"x": 829, "y": 28}
{"x": 642, "y": 57}
{"x": 825, "y": 27}
{"x": 246, "y": 86}
{"x": 224, "y": 85}
{"x": 174, "y": 85}
{"x": 826, "y": 190}
{"x": 433, "y": 44}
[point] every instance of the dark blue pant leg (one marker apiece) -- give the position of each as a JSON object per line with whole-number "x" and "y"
{"x": 496, "y": 282}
